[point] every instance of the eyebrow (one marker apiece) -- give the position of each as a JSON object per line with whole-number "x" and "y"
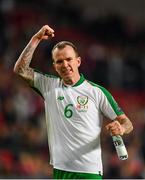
{"x": 60, "y": 60}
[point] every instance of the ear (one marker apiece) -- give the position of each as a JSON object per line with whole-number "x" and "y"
{"x": 79, "y": 61}
{"x": 54, "y": 66}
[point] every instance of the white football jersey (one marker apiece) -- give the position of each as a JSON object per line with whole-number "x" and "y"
{"x": 74, "y": 116}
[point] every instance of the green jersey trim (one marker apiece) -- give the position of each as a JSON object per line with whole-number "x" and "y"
{"x": 80, "y": 81}
{"x": 110, "y": 98}
{"x": 61, "y": 174}
{"x": 37, "y": 91}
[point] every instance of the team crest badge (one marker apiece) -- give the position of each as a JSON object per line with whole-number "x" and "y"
{"x": 82, "y": 103}
{"x": 82, "y": 100}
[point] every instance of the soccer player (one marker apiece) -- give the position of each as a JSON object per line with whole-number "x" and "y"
{"x": 74, "y": 110}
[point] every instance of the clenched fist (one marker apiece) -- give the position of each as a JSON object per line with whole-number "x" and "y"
{"x": 115, "y": 128}
{"x": 44, "y": 33}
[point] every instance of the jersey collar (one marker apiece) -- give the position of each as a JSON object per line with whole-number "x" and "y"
{"x": 80, "y": 81}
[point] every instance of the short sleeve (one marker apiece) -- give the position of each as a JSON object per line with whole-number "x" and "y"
{"x": 108, "y": 104}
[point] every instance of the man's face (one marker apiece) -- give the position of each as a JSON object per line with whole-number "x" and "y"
{"x": 66, "y": 62}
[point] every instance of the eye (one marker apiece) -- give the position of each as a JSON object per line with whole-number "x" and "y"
{"x": 69, "y": 59}
{"x": 59, "y": 62}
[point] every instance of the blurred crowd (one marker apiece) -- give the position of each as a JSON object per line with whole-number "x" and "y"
{"x": 113, "y": 53}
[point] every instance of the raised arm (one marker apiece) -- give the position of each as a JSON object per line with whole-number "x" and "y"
{"x": 121, "y": 125}
{"x": 22, "y": 65}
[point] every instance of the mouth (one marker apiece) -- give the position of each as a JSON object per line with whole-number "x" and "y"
{"x": 66, "y": 72}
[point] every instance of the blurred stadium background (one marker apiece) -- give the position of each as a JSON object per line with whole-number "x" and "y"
{"x": 110, "y": 36}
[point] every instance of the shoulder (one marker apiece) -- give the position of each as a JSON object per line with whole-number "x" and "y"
{"x": 101, "y": 91}
{"x": 98, "y": 87}
{"x": 45, "y": 75}
{"x": 46, "y": 79}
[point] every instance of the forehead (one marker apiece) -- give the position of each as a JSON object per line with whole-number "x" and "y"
{"x": 67, "y": 51}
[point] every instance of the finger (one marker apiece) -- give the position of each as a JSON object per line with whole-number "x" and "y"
{"x": 52, "y": 35}
{"x": 46, "y": 37}
{"x": 49, "y": 33}
{"x": 109, "y": 126}
{"x": 48, "y": 29}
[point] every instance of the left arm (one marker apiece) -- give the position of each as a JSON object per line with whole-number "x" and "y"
{"x": 121, "y": 125}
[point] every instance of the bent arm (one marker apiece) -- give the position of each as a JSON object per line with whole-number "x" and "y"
{"x": 121, "y": 125}
{"x": 22, "y": 65}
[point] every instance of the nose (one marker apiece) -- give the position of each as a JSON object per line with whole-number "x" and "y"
{"x": 65, "y": 63}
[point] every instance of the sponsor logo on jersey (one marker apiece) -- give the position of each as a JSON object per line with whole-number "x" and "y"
{"x": 60, "y": 98}
{"x": 82, "y": 105}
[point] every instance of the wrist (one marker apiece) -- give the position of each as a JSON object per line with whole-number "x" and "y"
{"x": 35, "y": 40}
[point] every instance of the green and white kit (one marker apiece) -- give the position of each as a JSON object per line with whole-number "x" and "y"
{"x": 74, "y": 116}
